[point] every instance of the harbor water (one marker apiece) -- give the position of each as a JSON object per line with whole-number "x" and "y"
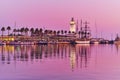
{"x": 60, "y": 62}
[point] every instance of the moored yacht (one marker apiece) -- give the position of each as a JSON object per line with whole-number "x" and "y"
{"x": 85, "y": 41}
{"x": 84, "y": 36}
{"x": 94, "y": 41}
{"x": 117, "y": 40}
{"x": 63, "y": 42}
{"x": 2, "y": 43}
{"x": 13, "y": 43}
{"x": 42, "y": 42}
{"x": 27, "y": 43}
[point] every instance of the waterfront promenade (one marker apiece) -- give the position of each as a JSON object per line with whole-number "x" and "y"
{"x": 40, "y": 36}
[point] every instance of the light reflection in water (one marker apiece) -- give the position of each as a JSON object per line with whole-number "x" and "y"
{"x": 61, "y": 61}
{"x": 117, "y": 47}
{"x": 78, "y": 55}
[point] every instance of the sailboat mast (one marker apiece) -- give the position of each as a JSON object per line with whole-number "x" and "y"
{"x": 95, "y": 28}
{"x": 77, "y": 27}
{"x": 81, "y": 32}
{"x": 86, "y": 29}
{"x": 81, "y": 25}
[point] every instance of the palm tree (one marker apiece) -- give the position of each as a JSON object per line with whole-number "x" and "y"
{"x": 36, "y": 31}
{"x": 41, "y": 30}
{"x": 50, "y": 32}
{"x": 62, "y": 32}
{"x": 8, "y": 28}
{"x": 22, "y": 30}
{"x": 69, "y": 32}
{"x": 46, "y": 32}
{"x": 14, "y": 31}
{"x": 18, "y": 30}
{"x": 2, "y": 29}
{"x": 54, "y": 32}
{"x": 26, "y": 31}
{"x": 65, "y": 32}
{"x": 58, "y": 32}
{"x": 73, "y": 32}
{"x": 32, "y": 31}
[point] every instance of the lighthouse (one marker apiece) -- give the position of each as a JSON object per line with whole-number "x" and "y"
{"x": 72, "y": 25}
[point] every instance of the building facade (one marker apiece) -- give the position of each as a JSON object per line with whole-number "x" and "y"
{"x": 72, "y": 25}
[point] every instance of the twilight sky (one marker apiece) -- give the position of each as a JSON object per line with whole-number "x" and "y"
{"x": 56, "y": 14}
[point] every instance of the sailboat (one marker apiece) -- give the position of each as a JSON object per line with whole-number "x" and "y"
{"x": 117, "y": 40}
{"x": 84, "y": 34}
{"x": 82, "y": 41}
{"x": 95, "y": 40}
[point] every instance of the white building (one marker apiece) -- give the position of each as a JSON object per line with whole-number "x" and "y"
{"x": 72, "y": 25}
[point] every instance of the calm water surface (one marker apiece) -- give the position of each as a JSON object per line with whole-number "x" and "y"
{"x": 60, "y": 62}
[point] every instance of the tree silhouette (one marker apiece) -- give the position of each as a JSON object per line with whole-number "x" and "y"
{"x": 14, "y": 31}
{"x": 69, "y": 32}
{"x": 36, "y": 31}
{"x": 54, "y": 32}
{"x": 32, "y": 31}
{"x": 8, "y": 28}
{"x": 18, "y": 30}
{"x": 58, "y": 32}
{"x": 62, "y": 32}
{"x": 26, "y": 31}
{"x": 65, "y": 32}
{"x": 2, "y": 29}
{"x": 46, "y": 32}
{"x": 41, "y": 32}
{"x": 22, "y": 30}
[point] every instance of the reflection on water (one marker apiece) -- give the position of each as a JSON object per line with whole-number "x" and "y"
{"x": 117, "y": 47}
{"x": 78, "y": 55}
{"x": 58, "y": 60}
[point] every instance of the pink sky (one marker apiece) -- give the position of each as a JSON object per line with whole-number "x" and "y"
{"x": 56, "y": 14}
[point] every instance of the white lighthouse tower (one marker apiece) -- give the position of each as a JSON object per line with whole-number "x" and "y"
{"x": 72, "y": 25}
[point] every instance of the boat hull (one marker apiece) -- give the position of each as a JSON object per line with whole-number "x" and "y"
{"x": 41, "y": 43}
{"x": 63, "y": 42}
{"x": 94, "y": 42}
{"x": 117, "y": 42}
{"x": 82, "y": 42}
